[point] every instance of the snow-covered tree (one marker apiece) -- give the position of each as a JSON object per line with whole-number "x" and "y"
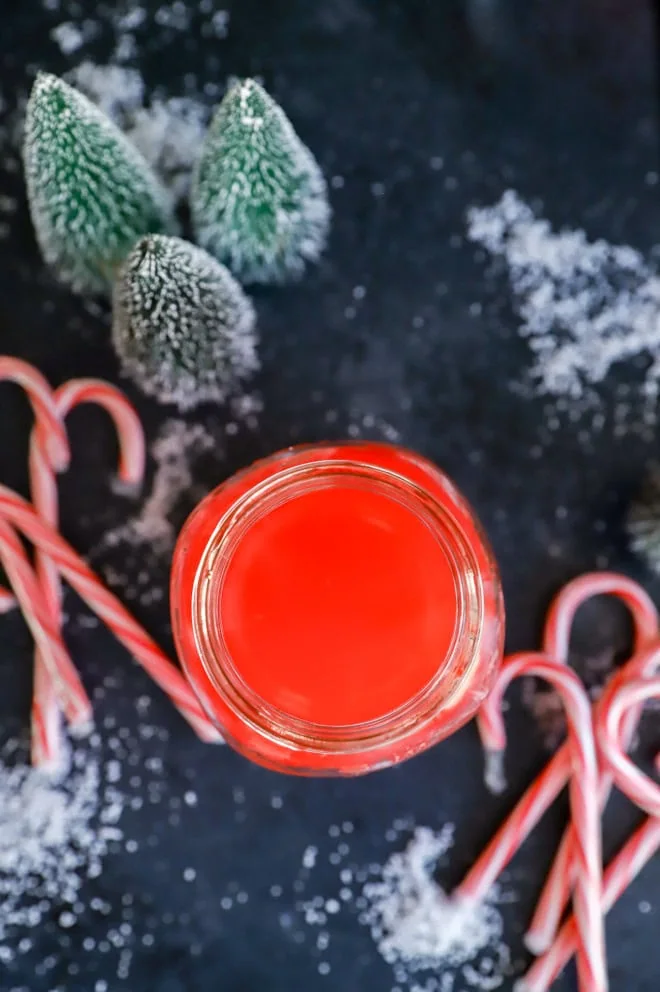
{"x": 258, "y": 200}
{"x": 182, "y": 326}
{"x": 91, "y": 193}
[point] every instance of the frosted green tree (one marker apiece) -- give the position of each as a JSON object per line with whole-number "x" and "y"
{"x": 91, "y": 193}
{"x": 182, "y": 326}
{"x": 259, "y": 200}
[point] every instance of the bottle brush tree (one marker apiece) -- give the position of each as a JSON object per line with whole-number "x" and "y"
{"x": 258, "y": 198}
{"x": 90, "y": 191}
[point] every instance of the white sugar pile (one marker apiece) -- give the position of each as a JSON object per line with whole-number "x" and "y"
{"x": 431, "y": 945}
{"x": 54, "y": 835}
{"x": 585, "y": 306}
{"x": 58, "y": 836}
{"x": 416, "y": 928}
{"x": 56, "y": 841}
{"x": 167, "y": 130}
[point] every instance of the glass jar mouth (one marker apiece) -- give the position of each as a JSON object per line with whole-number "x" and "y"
{"x": 456, "y": 666}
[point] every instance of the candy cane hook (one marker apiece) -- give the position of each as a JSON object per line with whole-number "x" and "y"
{"x": 583, "y": 788}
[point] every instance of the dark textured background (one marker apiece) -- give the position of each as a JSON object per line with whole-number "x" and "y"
{"x": 554, "y": 99}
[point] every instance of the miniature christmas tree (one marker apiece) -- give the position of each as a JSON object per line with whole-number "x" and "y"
{"x": 91, "y": 193}
{"x": 182, "y": 326}
{"x": 643, "y": 521}
{"x": 259, "y": 200}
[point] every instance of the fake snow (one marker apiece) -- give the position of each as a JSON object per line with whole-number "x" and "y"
{"x": 172, "y": 451}
{"x": 145, "y": 542}
{"x": 585, "y": 306}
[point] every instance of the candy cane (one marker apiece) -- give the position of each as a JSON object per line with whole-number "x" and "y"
{"x": 127, "y": 423}
{"x": 630, "y": 779}
{"x": 43, "y": 403}
{"x": 583, "y": 787}
{"x": 45, "y": 411}
{"x": 47, "y": 750}
{"x": 550, "y": 907}
{"x": 516, "y": 828}
{"x": 106, "y": 606}
{"x": 33, "y": 604}
{"x": 541, "y": 794}
{"x": 556, "y": 890}
{"x": 628, "y": 863}
{"x": 46, "y": 744}
{"x": 566, "y": 603}
{"x": 7, "y": 601}
{"x": 56, "y": 451}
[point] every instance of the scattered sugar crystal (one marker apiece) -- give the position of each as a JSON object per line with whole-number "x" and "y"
{"x": 309, "y": 857}
{"x": 68, "y": 36}
{"x": 417, "y": 928}
{"x": 220, "y": 23}
{"x": 175, "y": 15}
{"x": 144, "y": 542}
{"x": 51, "y": 839}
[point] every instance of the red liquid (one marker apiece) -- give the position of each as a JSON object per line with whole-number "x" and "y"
{"x": 339, "y": 606}
{"x": 336, "y": 608}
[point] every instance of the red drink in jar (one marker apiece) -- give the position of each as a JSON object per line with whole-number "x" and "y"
{"x": 337, "y": 608}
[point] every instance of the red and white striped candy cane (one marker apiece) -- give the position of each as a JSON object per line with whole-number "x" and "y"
{"x": 559, "y": 621}
{"x": 21, "y": 575}
{"x": 7, "y": 601}
{"x": 43, "y": 405}
{"x": 127, "y": 423}
{"x": 46, "y": 742}
{"x": 625, "y": 867}
{"x": 48, "y": 421}
{"x": 106, "y": 606}
{"x": 550, "y": 907}
{"x": 556, "y": 890}
{"x": 513, "y": 832}
{"x": 583, "y": 790}
{"x": 628, "y": 777}
{"x": 541, "y": 794}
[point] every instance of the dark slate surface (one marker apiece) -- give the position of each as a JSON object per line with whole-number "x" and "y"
{"x": 553, "y": 99}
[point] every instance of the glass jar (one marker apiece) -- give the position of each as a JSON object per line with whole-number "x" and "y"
{"x": 336, "y": 608}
